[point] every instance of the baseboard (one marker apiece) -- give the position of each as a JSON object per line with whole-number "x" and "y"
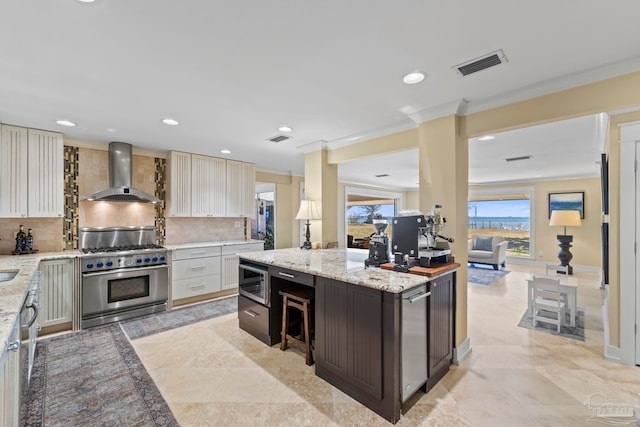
{"x": 462, "y": 351}
{"x": 613, "y": 353}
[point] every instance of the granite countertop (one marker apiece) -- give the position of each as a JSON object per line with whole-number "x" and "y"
{"x": 213, "y": 243}
{"x": 345, "y": 265}
{"x": 13, "y": 292}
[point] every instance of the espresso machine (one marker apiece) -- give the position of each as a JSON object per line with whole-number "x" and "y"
{"x": 415, "y": 240}
{"x": 378, "y": 244}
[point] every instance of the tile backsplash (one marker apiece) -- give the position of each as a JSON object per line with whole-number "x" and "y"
{"x": 47, "y": 233}
{"x": 192, "y": 230}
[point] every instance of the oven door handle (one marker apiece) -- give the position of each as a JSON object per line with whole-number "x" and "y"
{"x": 124, "y": 270}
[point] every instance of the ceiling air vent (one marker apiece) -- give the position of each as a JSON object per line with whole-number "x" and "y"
{"x": 486, "y": 61}
{"x": 382, "y": 175}
{"x": 278, "y": 138}
{"x": 515, "y": 159}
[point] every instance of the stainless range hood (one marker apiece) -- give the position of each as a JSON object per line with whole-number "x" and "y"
{"x": 120, "y": 177}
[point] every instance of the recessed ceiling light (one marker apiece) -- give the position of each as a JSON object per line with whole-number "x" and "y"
{"x": 413, "y": 78}
{"x": 225, "y": 151}
{"x": 486, "y": 138}
{"x": 170, "y": 122}
{"x": 285, "y": 128}
{"x": 111, "y": 130}
{"x": 86, "y": 1}
{"x": 65, "y": 123}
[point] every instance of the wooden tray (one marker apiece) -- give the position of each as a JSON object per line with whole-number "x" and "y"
{"x": 426, "y": 271}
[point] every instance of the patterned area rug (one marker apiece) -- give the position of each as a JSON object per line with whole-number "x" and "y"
{"x": 484, "y": 275}
{"x": 576, "y": 333}
{"x": 93, "y": 378}
{"x": 154, "y": 323}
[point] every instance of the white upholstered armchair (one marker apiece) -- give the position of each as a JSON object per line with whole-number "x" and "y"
{"x": 490, "y": 250}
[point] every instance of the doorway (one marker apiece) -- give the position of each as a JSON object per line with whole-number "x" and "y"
{"x": 263, "y": 224}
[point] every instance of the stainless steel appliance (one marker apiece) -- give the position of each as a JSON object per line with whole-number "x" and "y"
{"x": 254, "y": 282}
{"x": 124, "y": 274}
{"x": 120, "y": 178}
{"x": 416, "y": 236}
{"x": 378, "y": 244}
{"x": 414, "y": 354}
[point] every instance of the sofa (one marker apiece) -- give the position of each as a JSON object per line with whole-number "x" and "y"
{"x": 491, "y": 250}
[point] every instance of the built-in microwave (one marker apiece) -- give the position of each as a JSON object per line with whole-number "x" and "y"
{"x": 254, "y": 282}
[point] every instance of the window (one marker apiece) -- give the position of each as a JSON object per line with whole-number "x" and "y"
{"x": 508, "y": 216}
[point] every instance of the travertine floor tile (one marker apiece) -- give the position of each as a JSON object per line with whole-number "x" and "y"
{"x": 212, "y": 373}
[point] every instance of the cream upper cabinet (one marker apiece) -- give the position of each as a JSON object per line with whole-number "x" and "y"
{"x": 179, "y": 174}
{"x": 31, "y": 173}
{"x": 241, "y": 184}
{"x": 208, "y": 186}
{"x": 13, "y": 171}
{"x": 46, "y": 174}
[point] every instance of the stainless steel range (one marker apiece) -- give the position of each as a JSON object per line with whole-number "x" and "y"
{"x": 124, "y": 274}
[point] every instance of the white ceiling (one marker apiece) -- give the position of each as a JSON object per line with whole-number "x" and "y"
{"x": 232, "y": 72}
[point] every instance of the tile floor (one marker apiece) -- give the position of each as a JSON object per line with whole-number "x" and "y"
{"x": 212, "y": 373}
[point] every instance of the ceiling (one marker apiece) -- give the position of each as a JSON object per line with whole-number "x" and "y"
{"x": 232, "y": 72}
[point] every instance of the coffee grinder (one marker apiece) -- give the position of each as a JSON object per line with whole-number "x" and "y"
{"x": 378, "y": 244}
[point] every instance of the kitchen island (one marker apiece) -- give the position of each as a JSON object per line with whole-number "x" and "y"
{"x": 359, "y": 321}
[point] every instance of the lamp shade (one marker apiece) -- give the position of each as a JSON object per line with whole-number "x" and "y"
{"x": 308, "y": 210}
{"x": 565, "y": 219}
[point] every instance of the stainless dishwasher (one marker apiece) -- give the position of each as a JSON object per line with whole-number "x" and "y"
{"x": 414, "y": 357}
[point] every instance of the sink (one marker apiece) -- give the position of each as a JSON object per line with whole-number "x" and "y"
{"x": 7, "y": 275}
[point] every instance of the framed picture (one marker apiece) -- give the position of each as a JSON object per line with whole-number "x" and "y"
{"x": 567, "y": 202}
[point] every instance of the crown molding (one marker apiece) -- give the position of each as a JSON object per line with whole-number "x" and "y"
{"x": 546, "y": 87}
{"x": 458, "y": 108}
{"x": 370, "y": 134}
{"x": 313, "y": 146}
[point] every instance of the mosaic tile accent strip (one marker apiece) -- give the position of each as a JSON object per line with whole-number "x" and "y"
{"x": 160, "y": 221}
{"x": 71, "y": 198}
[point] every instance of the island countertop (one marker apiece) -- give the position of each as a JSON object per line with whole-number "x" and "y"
{"x": 345, "y": 265}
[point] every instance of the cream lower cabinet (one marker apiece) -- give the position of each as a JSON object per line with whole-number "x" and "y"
{"x": 230, "y": 261}
{"x": 10, "y": 380}
{"x": 56, "y": 284}
{"x": 195, "y": 271}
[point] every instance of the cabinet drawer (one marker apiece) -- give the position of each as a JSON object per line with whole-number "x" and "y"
{"x": 292, "y": 276}
{"x": 184, "y": 288}
{"x": 198, "y": 252}
{"x": 244, "y": 247}
{"x": 253, "y": 317}
{"x": 197, "y": 267}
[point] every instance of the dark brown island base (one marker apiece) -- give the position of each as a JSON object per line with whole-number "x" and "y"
{"x": 379, "y": 335}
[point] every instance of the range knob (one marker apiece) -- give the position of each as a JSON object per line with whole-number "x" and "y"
{"x": 154, "y": 259}
{"x": 162, "y": 258}
{"x": 89, "y": 265}
{"x": 109, "y": 263}
{"x": 147, "y": 259}
{"x": 99, "y": 265}
{"x": 139, "y": 261}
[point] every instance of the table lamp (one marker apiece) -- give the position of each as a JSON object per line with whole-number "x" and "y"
{"x": 308, "y": 210}
{"x": 565, "y": 219}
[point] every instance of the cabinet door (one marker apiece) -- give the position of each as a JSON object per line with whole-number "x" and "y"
{"x": 10, "y": 382}
{"x": 234, "y": 188}
{"x": 230, "y": 265}
{"x": 200, "y": 194}
{"x": 248, "y": 189}
{"x": 46, "y": 174}
{"x": 217, "y": 186}
{"x": 56, "y": 283}
{"x": 179, "y": 184}
{"x": 441, "y": 326}
{"x": 13, "y": 172}
{"x": 332, "y": 322}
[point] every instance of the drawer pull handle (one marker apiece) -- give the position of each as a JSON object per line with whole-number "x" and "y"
{"x": 198, "y": 252}
{"x": 250, "y": 313}
{"x": 198, "y": 267}
{"x": 290, "y": 276}
{"x": 13, "y": 346}
{"x": 198, "y": 286}
{"x": 419, "y": 297}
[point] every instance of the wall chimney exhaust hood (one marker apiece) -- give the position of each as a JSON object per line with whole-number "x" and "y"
{"x": 120, "y": 177}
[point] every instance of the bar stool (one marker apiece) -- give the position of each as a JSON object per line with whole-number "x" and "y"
{"x": 298, "y": 298}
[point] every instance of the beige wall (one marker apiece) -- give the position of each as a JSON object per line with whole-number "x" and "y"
{"x": 190, "y": 230}
{"x": 47, "y": 233}
{"x": 287, "y": 228}
{"x": 586, "y": 239}
{"x": 411, "y": 200}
